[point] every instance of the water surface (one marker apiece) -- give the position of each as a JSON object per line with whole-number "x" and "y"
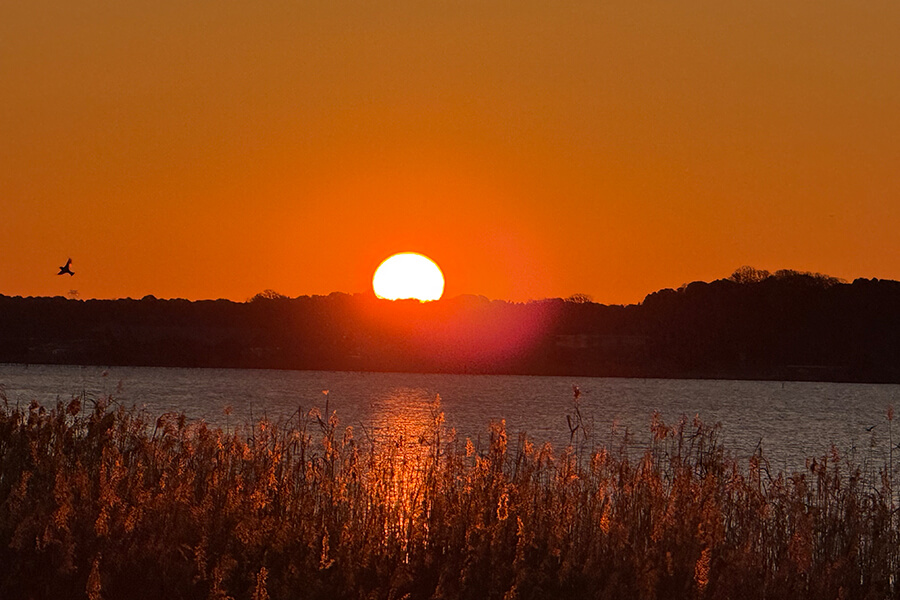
{"x": 791, "y": 421}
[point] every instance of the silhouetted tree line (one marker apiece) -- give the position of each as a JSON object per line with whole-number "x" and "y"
{"x": 751, "y": 325}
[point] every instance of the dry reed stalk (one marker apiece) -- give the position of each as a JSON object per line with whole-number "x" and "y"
{"x": 103, "y": 502}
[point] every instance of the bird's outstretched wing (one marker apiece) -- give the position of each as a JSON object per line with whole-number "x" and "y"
{"x": 65, "y": 270}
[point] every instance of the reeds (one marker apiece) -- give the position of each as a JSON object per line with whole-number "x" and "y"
{"x": 101, "y": 502}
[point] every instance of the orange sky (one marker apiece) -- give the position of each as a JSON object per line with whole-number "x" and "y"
{"x": 533, "y": 149}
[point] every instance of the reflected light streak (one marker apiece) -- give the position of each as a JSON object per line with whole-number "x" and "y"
{"x": 409, "y": 435}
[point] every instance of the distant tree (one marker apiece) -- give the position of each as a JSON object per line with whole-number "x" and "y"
{"x": 815, "y": 279}
{"x": 268, "y": 294}
{"x": 747, "y": 274}
{"x": 580, "y": 299}
{"x": 787, "y": 274}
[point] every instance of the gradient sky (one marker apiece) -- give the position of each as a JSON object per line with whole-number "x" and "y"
{"x": 214, "y": 149}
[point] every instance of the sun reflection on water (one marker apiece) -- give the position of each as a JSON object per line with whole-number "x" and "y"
{"x": 408, "y": 440}
{"x": 405, "y": 417}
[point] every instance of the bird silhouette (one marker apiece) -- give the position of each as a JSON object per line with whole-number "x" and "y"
{"x": 63, "y": 270}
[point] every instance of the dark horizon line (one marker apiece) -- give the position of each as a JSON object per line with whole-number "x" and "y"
{"x": 270, "y": 294}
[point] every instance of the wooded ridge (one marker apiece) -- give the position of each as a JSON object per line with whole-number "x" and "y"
{"x": 751, "y": 325}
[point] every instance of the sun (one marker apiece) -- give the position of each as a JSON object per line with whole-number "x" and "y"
{"x": 408, "y": 275}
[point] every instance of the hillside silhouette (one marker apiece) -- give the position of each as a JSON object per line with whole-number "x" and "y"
{"x": 752, "y": 325}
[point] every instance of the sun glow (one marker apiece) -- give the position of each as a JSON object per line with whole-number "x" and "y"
{"x": 408, "y": 275}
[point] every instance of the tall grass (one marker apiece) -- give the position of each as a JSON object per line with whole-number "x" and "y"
{"x": 101, "y": 502}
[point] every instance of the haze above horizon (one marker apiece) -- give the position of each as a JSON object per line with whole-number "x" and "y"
{"x": 533, "y": 150}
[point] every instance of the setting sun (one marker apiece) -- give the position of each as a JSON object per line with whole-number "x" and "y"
{"x": 408, "y": 275}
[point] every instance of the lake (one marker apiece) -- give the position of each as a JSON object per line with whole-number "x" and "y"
{"x": 792, "y": 421}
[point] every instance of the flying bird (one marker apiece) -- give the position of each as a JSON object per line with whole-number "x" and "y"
{"x": 63, "y": 270}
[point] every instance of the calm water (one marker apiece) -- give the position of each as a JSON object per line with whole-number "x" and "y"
{"x": 791, "y": 420}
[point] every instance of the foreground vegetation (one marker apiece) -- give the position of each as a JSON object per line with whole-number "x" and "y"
{"x": 100, "y": 502}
